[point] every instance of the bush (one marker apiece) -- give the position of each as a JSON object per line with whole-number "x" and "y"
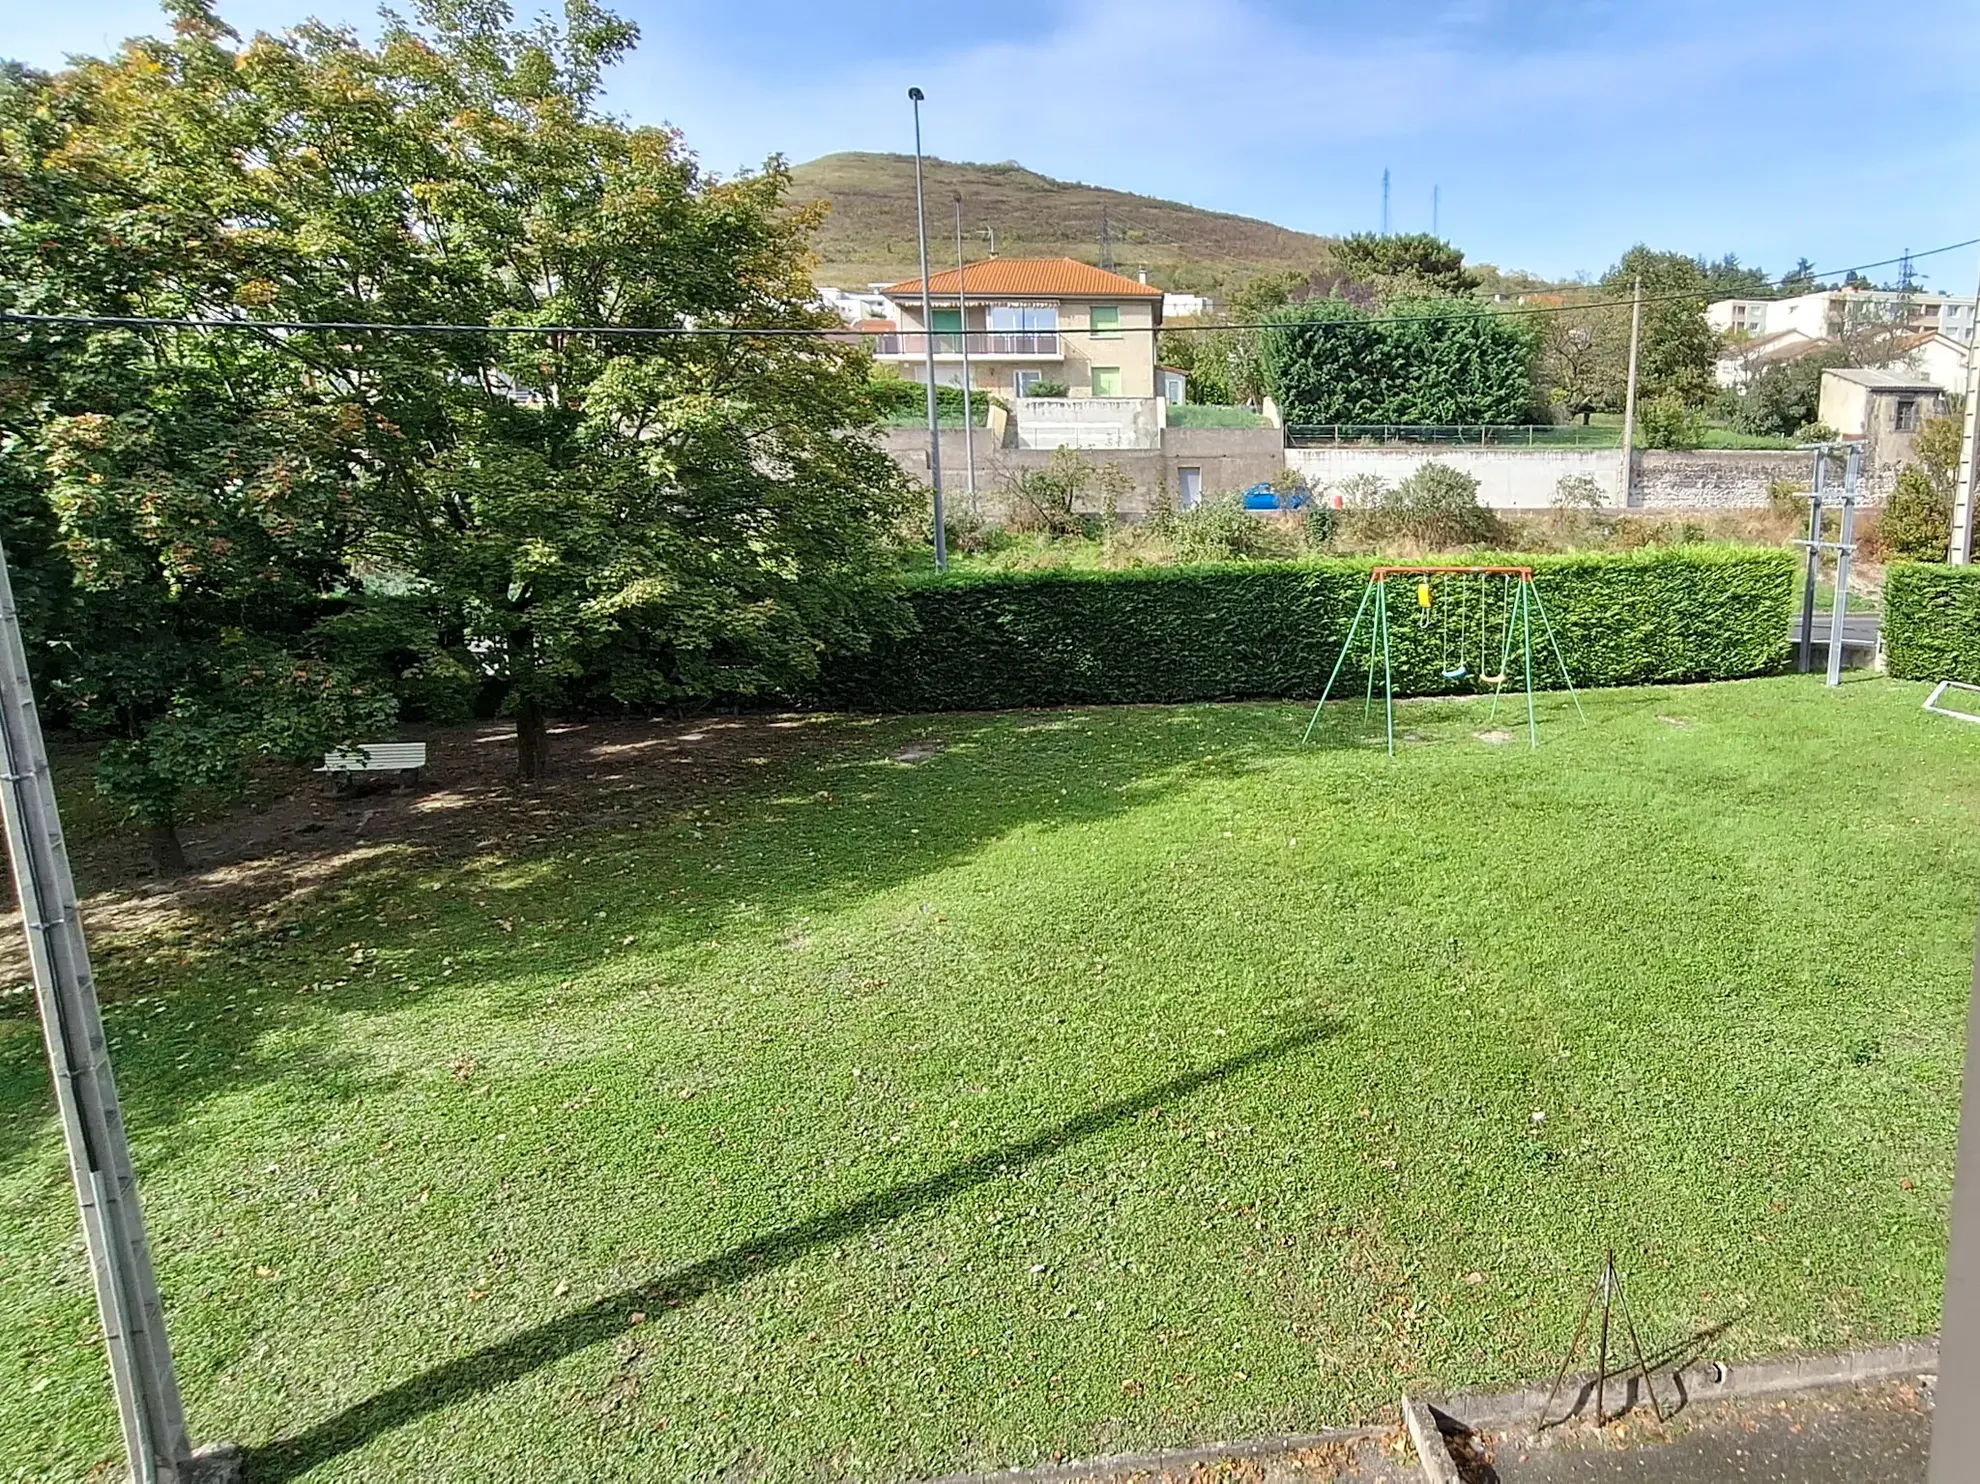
{"x": 1916, "y": 524}
{"x": 1581, "y": 493}
{"x": 904, "y": 401}
{"x": 1048, "y": 499}
{"x": 1048, "y": 389}
{"x": 1436, "y": 507}
{"x": 1932, "y": 622}
{"x": 1159, "y": 634}
{"x": 1222, "y": 530}
{"x": 1668, "y": 421}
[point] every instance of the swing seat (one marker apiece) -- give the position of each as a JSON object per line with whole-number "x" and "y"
{"x": 1499, "y": 679}
{"x": 1457, "y": 672}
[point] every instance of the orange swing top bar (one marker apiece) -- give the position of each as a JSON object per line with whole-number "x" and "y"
{"x": 1380, "y": 572}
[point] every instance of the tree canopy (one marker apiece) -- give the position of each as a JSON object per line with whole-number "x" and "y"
{"x": 350, "y": 516}
{"x": 1413, "y": 264}
{"x": 1678, "y": 348}
{"x": 1328, "y": 361}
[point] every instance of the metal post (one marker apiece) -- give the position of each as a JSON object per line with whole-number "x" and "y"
{"x": 127, "y": 1298}
{"x": 1852, "y": 476}
{"x": 915, "y": 96}
{"x": 1955, "y": 1421}
{"x": 1629, "y": 396}
{"x": 962, "y": 314}
{"x": 1960, "y": 550}
{"x": 1548, "y": 628}
{"x": 1339, "y": 660}
{"x": 1805, "y": 660}
{"x": 1526, "y": 627}
{"x": 1388, "y": 671}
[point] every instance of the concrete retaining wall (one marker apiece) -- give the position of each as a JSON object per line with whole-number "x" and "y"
{"x": 1230, "y": 458}
{"x": 1508, "y": 478}
{"x": 1527, "y": 478}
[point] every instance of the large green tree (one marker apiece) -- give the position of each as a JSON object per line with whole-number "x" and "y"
{"x": 180, "y": 504}
{"x": 1678, "y": 348}
{"x": 1410, "y": 265}
{"x": 643, "y": 518}
{"x": 1418, "y": 361}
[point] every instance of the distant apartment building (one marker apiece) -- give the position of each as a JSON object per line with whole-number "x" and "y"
{"x": 1030, "y": 320}
{"x": 1829, "y": 314}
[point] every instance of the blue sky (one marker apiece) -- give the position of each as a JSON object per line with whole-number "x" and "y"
{"x": 1559, "y": 131}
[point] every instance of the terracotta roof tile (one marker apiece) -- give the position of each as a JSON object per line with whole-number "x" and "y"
{"x": 1044, "y": 278}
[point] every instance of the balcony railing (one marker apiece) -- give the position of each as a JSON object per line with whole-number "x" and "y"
{"x": 991, "y": 344}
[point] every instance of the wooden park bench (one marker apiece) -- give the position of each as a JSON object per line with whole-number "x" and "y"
{"x": 404, "y": 758}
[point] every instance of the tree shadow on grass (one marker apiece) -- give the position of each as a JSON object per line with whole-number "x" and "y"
{"x": 795, "y": 815}
{"x": 498, "y": 1364}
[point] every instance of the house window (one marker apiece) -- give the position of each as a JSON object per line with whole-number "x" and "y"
{"x": 1106, "y": 381}
{"x": 1024, "y": 330}
{"x": 1106, "y": 321}
{"x": 1905, "y": 418}
{"x": 1175, "y": 386}
{"x": 1189, "y": 486}
{"x": 1023, "y": 381}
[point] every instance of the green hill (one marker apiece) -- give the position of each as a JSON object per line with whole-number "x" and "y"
{"x": 869, "y": 236}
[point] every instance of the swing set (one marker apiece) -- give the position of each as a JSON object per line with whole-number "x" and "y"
{"x": 1503, "y": 622}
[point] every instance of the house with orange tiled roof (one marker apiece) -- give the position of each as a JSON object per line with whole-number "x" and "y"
{"x": 1030, "y": 320}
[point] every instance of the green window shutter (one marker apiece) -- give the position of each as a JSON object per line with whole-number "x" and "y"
{"x": 1106, "y": 321}
{"x": 947, "y": 321}
{"x": 1106, "y": 381}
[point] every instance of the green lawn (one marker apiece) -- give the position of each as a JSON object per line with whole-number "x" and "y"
{"x": 1107, "y": 1078}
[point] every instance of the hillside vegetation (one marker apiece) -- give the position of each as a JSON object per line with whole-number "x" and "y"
{"x": 869, "y": 236}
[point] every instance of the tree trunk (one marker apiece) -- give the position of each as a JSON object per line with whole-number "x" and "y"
{"x": 168, "y": 856}
{"x": 532, "y": 740}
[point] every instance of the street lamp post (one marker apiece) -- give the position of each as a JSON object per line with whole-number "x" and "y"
{"x": 915, "y": 95}
{"x": 962, "y": 317}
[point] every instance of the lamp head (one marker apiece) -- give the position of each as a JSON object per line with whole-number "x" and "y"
{"x": 916, "y": 94}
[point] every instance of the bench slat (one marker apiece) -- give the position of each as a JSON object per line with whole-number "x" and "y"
{"x": 375, "y": 757}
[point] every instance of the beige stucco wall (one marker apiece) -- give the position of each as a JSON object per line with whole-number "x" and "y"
{"x": 1133, "y": 351}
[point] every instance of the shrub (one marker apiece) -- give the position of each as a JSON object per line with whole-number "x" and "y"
{"x": 1916, "y": 523}
{"x": 1436, "y": 506}
{"x": 1932, "y": 622}
{"x": 1222, "y": 530}
{"x": 1047, "y": 499}
{"x": 1668, "y": 421}
{"x": 1048, "y": 389}
{"x": 1274, "y": 629}
{"x": 1581, "y": 493}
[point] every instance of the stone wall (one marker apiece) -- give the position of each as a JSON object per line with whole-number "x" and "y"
{"x": 1716, "y": 479}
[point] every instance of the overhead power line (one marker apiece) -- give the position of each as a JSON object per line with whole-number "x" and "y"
{"x": 826, "y": 332}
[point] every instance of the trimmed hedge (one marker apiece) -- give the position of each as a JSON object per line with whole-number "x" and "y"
{"x": 1274, "y": 629}
{"x": 1932, "y": 621}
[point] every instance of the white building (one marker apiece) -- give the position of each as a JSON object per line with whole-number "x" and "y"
{"x": 1187, "y": 306}
{"x": 1826, "y": 315}
{"x": 852, "y": 305}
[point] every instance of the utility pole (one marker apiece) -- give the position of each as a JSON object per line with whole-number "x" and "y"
{"x": 1106, "y": 241}
{"x": 1385, "y": 200}
{"x": 915, "y": 96}
{"x": 991, "y": 233}
{"x": 1960, "y": 551}
{"x": 1629, "y": 395}
{"x": 133, "y": 1316}
{"x": 962, "y": 318}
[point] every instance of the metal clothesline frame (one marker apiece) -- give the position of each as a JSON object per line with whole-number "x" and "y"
{"x": 1525, "y": 603}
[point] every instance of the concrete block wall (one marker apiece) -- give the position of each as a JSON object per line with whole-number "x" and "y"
{"x": 1230, "y": 458}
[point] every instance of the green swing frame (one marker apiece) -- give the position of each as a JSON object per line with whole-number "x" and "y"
{"x": 1518, "y": 617}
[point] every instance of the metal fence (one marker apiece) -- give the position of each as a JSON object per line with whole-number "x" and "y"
{"x": 986, "y": 343}
{"x": 1478, "y": 435}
